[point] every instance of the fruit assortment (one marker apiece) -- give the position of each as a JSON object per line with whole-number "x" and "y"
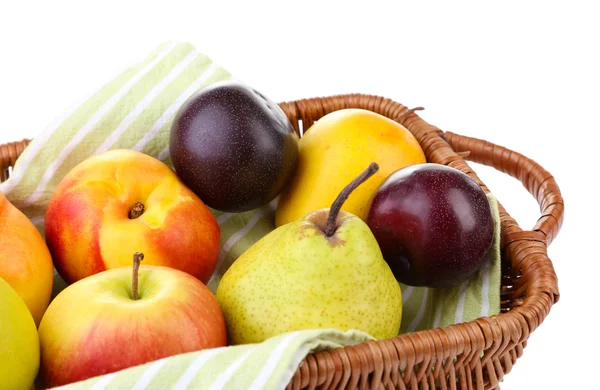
{"x": 359, "y": 211}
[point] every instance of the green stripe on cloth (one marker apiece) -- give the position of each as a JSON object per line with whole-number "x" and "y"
{"x": 135, "y": 111}
{"x": 166, "y": 91}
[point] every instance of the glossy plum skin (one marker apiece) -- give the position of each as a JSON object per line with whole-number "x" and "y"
{"x": 233, "y": 147}
{"x": 433, "y": 224}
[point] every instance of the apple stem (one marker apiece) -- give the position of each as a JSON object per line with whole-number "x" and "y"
{"x": 137, "y": 259}
{"x": 408, "y": 112}
{"x": 341, "y": 198}
{"x": 137, "y": 210}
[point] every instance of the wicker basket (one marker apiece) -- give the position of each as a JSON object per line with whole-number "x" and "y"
{"x": 471, "y": 355}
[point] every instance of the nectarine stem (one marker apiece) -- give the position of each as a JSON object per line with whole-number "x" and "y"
{"x": 339, "y": 201}
{"x": 136, "y": 210}
{"x": 137, "y": 259}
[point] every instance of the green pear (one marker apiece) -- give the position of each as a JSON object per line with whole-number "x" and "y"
{"x": 324, "y": 271}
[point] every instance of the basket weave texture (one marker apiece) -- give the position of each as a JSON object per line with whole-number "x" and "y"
{"x": 471, "y": 355}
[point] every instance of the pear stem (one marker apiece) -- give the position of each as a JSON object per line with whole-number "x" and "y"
{"x": 137, "y": 210}
{"x": 341, "y": 198}
{"x": 137, "y": 259}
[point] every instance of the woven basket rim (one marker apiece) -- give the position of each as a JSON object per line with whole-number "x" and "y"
{"x": 480, "y": 352}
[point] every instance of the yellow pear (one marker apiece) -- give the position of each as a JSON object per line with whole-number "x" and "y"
{"x": 19, "y": 341}
{"x": 334, "y": 151}
{"x": 324, "y": 271}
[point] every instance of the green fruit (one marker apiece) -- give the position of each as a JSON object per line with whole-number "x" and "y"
{"x": 323, "y": 271}
{"x": 19, "y": 341}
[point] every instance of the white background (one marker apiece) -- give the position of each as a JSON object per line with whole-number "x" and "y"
{"x": 525, "y": 76}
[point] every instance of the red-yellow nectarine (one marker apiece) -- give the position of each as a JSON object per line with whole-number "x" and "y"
{"x": 120, "y": 202}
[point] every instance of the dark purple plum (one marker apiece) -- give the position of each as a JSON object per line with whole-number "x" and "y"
{"x": 433, "y": 223}
{"x": 233, "y": 147}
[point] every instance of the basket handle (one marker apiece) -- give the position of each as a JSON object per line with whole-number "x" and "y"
{"x": 539, "y": 182}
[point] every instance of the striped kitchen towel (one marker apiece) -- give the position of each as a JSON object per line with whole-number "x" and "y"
{"x": 268, "y": 365}
{"x": 135, "y": 111}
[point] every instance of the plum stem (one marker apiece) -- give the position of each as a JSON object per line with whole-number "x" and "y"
{"x": 137, "y": 259}
{"x": 137, "y": 210}
{"x": 341, "y": 198}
